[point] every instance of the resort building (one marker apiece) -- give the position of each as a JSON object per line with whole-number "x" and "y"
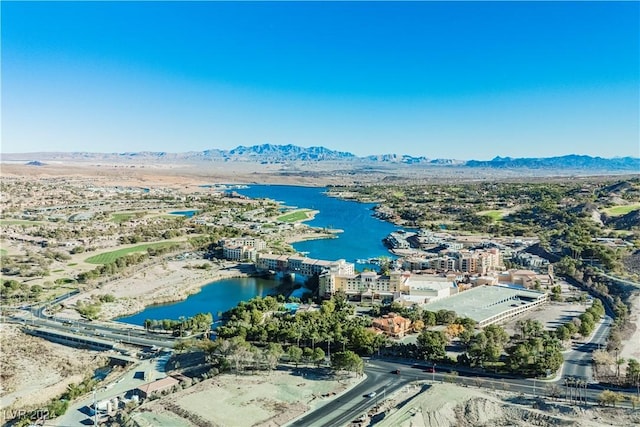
{"x": 302, "y": 265}
{"x": 480, "y": 261}
{"x": 392, "y": 325}
{"x": 242, "y": 249}
{"x": 239, "y": 253}
{"x": 368, "y": 285}
{"x": 251, "y": 242}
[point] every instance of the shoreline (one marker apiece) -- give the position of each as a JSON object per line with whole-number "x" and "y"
{"x": 187, "y": 292}
{"x": 166, "y": 283}
{"x": 169, "y": 283}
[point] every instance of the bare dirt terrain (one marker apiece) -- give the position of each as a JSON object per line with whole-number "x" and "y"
{"x": 631, "y": 347}
{"x": 180, "y": 177}
{"x": 34, "y": 370}
{"x": 445, "y": 405}
{"x": 245, "y": 400}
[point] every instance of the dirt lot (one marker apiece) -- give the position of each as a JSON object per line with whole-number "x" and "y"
{"x": 631, "y": 347}
{"x": 34, "y": 370}
{"x": 249, "y": 400}
{"x": 450, "y": 405}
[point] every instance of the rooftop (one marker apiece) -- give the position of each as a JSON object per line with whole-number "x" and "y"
{"x": 158, "y": 385}
{"x": 484, "y": 302}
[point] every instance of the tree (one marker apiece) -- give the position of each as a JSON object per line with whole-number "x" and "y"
{"x": 274, "y": 352}
{"x": 602, "y": 358}
{"x": 295, "y": 354}
{"x": 563, "y": 333}
{"x": 363, "y": 340}
{"x": 619, "y": 362}
{"x": 608, "y": 397}
{"x": 635, "y": 401}
{"x": 307, "y": 354}
{"x": 453, "y": 330}
{"x": 347, "y": 361}
{"x": 633, "y": 372}
{"x": 318, "y": 356}
{"x": 432, "y": 345}
{"x": 445, "y": 317}
{"x": 429, "y": 318}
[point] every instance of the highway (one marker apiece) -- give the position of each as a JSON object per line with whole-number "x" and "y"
{"x": 116, "y": 332}
{"x": 345, "y": 408}
{"x": 381, "y": 380}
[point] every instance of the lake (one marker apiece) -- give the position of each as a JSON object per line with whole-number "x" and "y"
{"x": 216, "y": 297}
{"x": 361, "y": 239}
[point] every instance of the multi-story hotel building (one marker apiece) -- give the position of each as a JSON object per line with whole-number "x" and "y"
{"x": 251, "y": 242}
{"x": 302, "y": 265}
{"x": 242, "y": 248}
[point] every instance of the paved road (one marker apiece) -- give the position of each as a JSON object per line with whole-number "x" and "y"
{"x": 78, "y": 413}
{"x": 380, "y": 379}
{"x": 578, "y": 361}
{"x": 349, "y": 405}
{"x": 617, "y": 279}
{"x": 89, "y": 329}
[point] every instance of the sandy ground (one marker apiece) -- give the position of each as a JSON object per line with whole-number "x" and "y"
{"x": 181, "y": 177}
{"x": 631, "y": 346}
{"x": 166, "y": 282}
{"x": 246, "y": 400}
{"x": 34, "y": 370}
{"x": 444, "y": 405}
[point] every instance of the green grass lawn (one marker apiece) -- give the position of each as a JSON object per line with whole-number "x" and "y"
{"x": 3, "y": 252}
{"x": 109, "y": 257}
{"x": 294, "y": 216}
{"x": 495, "y": 215}
{"x": 125, "y": 216}
{"x": 621, "y": 209}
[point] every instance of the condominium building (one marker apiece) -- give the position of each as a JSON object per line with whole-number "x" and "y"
{"x": 242, "y": 248}
{"x": 251, "y": 242}
{"x": 239, "y": 253}
{"x": 472, "y": 262}
{"x": 302, "y": 265}
{"x": 368, "y": 284}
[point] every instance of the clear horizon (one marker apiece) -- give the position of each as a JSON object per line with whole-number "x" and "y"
{"x": 460, "y": 80}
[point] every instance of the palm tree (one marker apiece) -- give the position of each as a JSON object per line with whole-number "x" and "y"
{"x": 619, "y": 362}
{"x": 567, "y": 382}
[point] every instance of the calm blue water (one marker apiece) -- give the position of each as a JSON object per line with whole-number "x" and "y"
{"x": 361, "y": 239}
{"x": 213, "y": 298}
{"x": 188, "y": 214}
{"x": 362, "y": 236}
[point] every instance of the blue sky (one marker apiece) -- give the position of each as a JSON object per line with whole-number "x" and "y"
{"x": 442, "y": 80}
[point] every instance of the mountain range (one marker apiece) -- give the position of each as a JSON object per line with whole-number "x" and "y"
{"x": 270, "y": 153}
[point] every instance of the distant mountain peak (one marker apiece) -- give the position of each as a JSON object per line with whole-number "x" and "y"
{"x": 275, "y": 153}
{"x": 569, "y": 161}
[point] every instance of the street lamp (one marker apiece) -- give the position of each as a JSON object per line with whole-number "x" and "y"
{"x": 433, "y": 373}
{"x": 95, "y": 408}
